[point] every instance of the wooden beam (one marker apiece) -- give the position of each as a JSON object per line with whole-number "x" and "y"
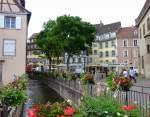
{"x": 9, "y": 6}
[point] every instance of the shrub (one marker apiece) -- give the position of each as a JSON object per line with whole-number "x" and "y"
{"x": 104, "y": 107}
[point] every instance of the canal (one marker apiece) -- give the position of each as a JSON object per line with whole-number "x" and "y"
{"x": 38, "y": 93}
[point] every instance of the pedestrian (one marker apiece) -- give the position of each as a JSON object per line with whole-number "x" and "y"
{"x": 125, "y": 73}
{"x": 132, "y": 74}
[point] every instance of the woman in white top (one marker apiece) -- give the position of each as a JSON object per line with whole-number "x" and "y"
{"x": 125, "y": 73}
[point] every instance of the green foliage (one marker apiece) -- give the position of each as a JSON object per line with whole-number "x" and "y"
{"x": 104, "y": 106}
{"x": 67, "y": 34}
{"x": 110, "y": 81}
{"x": 13, "y": 97}
{"x": 14, "y": 94}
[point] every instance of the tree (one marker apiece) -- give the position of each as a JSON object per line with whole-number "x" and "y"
{"x": 67, "y": 34}
{"x": 48, "y": 42}
{"x": 76, "y": 34}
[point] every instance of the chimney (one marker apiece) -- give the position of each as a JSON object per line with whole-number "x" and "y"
{"x": 22, "y": 2}
{"x": 101, "y": 23}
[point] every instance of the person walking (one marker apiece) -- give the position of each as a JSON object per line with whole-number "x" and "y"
{"x": 125, "y": 73}
{"x": 132, "y": 74}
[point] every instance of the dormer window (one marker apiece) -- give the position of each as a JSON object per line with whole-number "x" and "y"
{"x": 10, "y": 22}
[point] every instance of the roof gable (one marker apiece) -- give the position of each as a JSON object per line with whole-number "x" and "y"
{"x": 12, "y": 6}
{"x": 102, "y": 29}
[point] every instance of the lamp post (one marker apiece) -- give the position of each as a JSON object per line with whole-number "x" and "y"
{"x": 85, "y": 56}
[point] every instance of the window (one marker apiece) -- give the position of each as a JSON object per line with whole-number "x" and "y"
{"x": 140, "y": 33}
{"x": 10, "y": 22}
{"x": 148, "y": 48}
{"x": 95, "y": 52}
{"x": 90, "y": 60}
{"x": 79, "y": 60}
{"x": 106, "y": 44}
{"x": 112, "y": 43}
{"x": 135, "y": 43}
{"x": 101, "y": 61}
{"x": 126, "y": 62}
{"x": 107, "y": 61}
{"x": 125, "y": 53}
{"x": 106, "y": 36}
{"x": 142, "y": 62}
{"x": 125, "y": 43}
{"x": 148, "y": 24}
{"x": 106, "y": 53}
{"x": 101, "y": 45}
{"x": 101, "y": 54}
{"x": 112, "y": 35}
{"x": 73, "y": 60}
{"x": 113, "y": 61}
{"x": 9, "y": 47}
{"x": 143, "y": 29}
{"x": 113, "y": 53}
{"x": 94, "y": 45}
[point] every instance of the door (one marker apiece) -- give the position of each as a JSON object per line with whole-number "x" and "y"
{"x": 0, "y": 72}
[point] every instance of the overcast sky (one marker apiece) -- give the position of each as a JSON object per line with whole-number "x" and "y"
{"x": 93, "y": 11}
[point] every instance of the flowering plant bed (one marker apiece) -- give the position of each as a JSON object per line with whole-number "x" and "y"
{"x": 56, "y": 109}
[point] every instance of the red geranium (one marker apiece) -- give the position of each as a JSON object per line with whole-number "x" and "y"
{"x": 69, "y": 111}
{"x": 128, "y": 107}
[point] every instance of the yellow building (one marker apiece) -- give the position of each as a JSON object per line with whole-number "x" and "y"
{"x": 104, "y": 48}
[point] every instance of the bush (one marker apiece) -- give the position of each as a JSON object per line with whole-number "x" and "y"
{"x": 14, "y": 94}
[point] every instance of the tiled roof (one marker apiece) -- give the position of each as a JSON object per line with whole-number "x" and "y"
{"x": 144, "y": 10}
{"x": 14, "y": 6}
{"x": 33, "y": 36}
{"x": 113, "y": 27}
{"x": 126, "y": 32}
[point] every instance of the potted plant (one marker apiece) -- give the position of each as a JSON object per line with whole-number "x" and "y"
{"x": 87, "y": 78}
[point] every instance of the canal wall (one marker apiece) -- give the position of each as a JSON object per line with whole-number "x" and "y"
{"x": 73, "y": 89}
{"x": 69, "y": 90}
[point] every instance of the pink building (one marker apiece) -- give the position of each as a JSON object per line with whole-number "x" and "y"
{"x": 127, "y": 47}
{"x": 14, "y": 19}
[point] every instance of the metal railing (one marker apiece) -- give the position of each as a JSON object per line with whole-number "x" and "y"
{"x": 139, "y": 98}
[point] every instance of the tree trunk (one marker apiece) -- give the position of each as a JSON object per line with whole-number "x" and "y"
{"x": 50, "y": 63}
{"x": 68, "y": 60}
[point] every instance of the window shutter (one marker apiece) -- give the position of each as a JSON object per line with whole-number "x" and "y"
{"x": 1, "y": 21}
{"x": 18, "y": 22}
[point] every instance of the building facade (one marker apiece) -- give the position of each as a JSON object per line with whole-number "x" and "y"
{"x": 104, "y": 47}
{"x": 14, "y": 19}
{"x": 34, "y": 54}
{"x": 143, "y": 24}
{"x": 128, "y": 47}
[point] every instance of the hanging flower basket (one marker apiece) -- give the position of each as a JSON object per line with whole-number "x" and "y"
{"x": 87, "y": 78}
{"x": 123, "y": 83}
{"x": 118, "y": 83}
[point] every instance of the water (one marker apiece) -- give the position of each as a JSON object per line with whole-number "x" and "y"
{"x": 39, "y": 93}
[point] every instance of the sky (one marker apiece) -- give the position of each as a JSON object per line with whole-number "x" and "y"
{"x": 108, "y": 11}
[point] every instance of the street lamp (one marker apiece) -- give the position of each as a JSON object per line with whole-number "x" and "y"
{"x": 85, "y": 56}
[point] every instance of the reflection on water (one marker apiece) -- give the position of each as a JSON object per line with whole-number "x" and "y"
{"x": 39, "y": 93}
